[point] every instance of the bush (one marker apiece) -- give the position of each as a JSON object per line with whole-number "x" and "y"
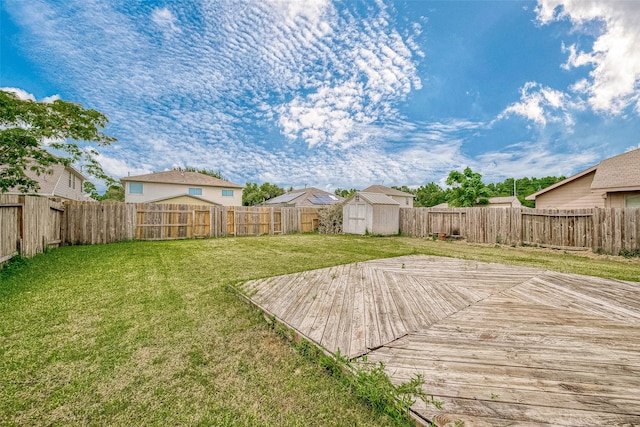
{"x": 330, "y": 219}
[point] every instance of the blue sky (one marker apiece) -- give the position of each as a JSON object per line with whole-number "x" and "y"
{"x": 338, "y": 93}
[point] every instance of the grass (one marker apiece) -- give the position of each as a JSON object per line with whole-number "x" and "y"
{"x": 147, "y": 333}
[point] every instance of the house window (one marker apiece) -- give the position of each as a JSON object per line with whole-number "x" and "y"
{"x": 72, "y": 181}
{"x": 227, "y": 193}
{"x": 135, "y": 188}
{"x": 195, "y": 191}
{"x": 632, "y": 201}
{"x": 406, "y": 201}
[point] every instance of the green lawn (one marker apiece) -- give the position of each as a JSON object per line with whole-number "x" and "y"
{"x": 147, "y": 333}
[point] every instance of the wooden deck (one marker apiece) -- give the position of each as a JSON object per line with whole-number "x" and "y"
{"x": 500, "y": 345}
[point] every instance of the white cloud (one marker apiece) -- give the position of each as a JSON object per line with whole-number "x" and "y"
{"x": 541, "y": 104}
{"x": 166, "y": 20}
{"x": 26, "y": 96}
{"x": 220, "y": 93}
{"x": 19, "y": 93}
{"x": 531, "y": 159}
{"x": 614, "y": 81}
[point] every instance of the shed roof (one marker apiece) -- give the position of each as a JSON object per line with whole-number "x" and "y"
{"x": 376, "y": 198}
{"x": 182, "y": 177}
{"x": 386, "y": 190}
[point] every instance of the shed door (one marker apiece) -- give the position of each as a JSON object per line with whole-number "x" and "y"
{"x": 358, "y": 218}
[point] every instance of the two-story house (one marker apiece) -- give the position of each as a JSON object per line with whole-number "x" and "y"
{"x": 178, "y": 186}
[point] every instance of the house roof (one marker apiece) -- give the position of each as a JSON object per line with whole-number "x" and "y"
{"x": 310, "y": 195}
{"x": 185, "y": 195}
{"x": 375, "y": 198}
{"x": 182, "y": 177}
{"x": 512, "y": 200}
{"x": 386, "y": 190}
{"x": 618, "y": 173}
{"x": 561, "y": 183}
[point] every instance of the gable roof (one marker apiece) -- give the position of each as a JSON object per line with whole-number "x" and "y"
{"x": 561, "y": 183}
{"x": 184, "y": 196}
{"x": 375, "y": 198}
{"x": 386, "y": 191}
{"x": 512, "y": 200}
{"x": 182, "y": 177}
{"x": 310, "y": 195}
{"x": 618, "y": 173}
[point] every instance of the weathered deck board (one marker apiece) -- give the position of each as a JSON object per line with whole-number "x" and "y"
{"x": 499, "y": 345}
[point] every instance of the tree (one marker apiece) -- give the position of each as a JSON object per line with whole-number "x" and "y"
{"x": 429, "y": 195}
{"x": 210, "y": 172}
{"x": 254, "y": 193}
{"x": 345, "y": 193}
{"x": 28, "y": 129}
{"x": 467, "y": 189}
{"x": 524, "y": 187}
{"x": 115, "y": 192}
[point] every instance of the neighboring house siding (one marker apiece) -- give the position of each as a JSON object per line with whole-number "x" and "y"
{"x": 59, "y": 181}
{"x": 405, "y": 202}
{"x": 622, "y": 200}
{"x": 576, "y": 194}
{"x": 69, "y": 186}
{"x": 152, "y": 191}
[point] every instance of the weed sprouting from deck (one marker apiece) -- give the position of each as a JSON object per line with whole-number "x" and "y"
{"x": 367, "y": 381}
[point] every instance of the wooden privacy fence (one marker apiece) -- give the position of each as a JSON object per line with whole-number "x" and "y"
{"x": 603, "y": 230}
{"x": 96, "y": 223}
{"x": 28, "y": 225}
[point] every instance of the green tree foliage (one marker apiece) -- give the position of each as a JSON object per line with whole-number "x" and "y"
{"x": 29, "y": 128}
{"x": 467, "y": 189}
{"x": 430, "y": 194}
{"x": 524, "y": 187}
{"x": 210, "y": 172}
{"x": 254, "y": 193}
{"x": 345, "y": 193}
{"x": 115, "y": 192}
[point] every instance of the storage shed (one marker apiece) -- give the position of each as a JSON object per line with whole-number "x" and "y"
{"x": 372, "y": 213}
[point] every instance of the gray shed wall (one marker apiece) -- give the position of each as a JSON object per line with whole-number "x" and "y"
{"x": 360, "y": 217}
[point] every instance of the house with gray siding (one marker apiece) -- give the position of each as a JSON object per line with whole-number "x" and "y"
{"x": 59, "y": 181}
